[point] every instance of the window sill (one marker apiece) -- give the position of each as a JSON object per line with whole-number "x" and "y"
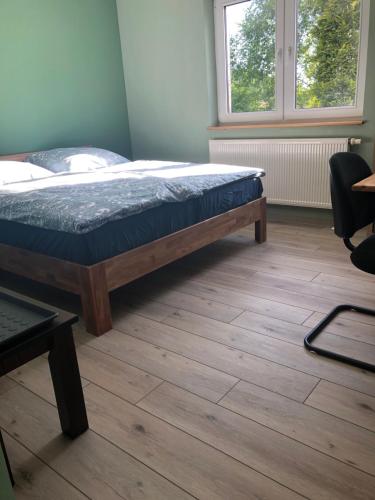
{"x": 289, "y": 124}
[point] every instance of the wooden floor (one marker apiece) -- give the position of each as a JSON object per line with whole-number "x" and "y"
{"x": 203, "y": 389}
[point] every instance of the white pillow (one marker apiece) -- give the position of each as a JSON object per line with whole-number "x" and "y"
{"x": 75, "y": 159}
{"x": 19, "y": 171}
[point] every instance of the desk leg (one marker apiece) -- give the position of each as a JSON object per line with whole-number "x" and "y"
{"x": 67, "y": 384}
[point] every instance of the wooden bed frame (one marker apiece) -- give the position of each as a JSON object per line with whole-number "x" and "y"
{"x": 93, "y": 283}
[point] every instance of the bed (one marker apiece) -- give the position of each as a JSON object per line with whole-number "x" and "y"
{"x": 120, "y": 224}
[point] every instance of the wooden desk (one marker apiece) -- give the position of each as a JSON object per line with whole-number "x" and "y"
{"x": 366, "y": 185}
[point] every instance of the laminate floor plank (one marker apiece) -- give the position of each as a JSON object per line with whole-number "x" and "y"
{"x": 326, "y": 433}
{"x": 349, "y": 405}
{"x": 354, "y": 328}
{"x": 6, "y": 384}
{"x": 271, "y": 293}
{"x": 299, "y": 467}
{"x": 306, "y": 262}
{"x": 277, "y": 351}
{"x": 96, "y": 467}
{"x": 158, "y": 283}
{"x": 367, "y": 319}
{"x": 237, "y": 245}
{"x": 123, "y": 303}
{"x": 349, "y": 283}
{"x": 118, "y": 377}
{"x": 173, "y": 300}
{"x": 310, "y": 289}
{"x": 203, "y": 389}
{"x": 295, "y": 334}
{"x": 335, "y": 255}
{"x": 271, "y": 327}
{"x": 235, "y": 264}
{"x": 165, "y": 364}
{"x": 240, "y": 364}
{"x": 204, "y": 471}
{"x": 33, "y": 479}
{"x": 347, "y": 347}
{"x": 36, "y": 376}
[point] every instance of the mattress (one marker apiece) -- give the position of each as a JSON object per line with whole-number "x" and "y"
{"x": 118, "y": 236}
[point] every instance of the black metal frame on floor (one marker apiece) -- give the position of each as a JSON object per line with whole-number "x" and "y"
{"x": 313, "y": 334}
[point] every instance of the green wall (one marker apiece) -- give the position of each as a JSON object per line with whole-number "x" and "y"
{"x": 166, "y": 45}
{"x": 62, "y": 81}
{"x": 168, "y": 48}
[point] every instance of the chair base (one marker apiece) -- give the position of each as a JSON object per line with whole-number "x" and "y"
{"x": 330, "y": 354}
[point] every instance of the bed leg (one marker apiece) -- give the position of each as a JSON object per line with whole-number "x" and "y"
{"x": 261, "y": 224}
{"x": 95, "y": 299}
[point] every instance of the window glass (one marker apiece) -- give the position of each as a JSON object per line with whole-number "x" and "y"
{"x": 251, "y": 47}
{"x": 328, "y": 35}
{"x": 290, "y": 59}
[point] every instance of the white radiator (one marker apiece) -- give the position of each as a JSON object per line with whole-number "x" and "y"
{"x": 297, "y": 170}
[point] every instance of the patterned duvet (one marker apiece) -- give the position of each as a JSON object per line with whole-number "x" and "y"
{"x": 81, "y": 202}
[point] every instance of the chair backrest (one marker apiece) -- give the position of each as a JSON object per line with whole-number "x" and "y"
{"x": 351, "y": 210}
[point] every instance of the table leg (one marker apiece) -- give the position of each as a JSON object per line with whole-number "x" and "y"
{"x": 67, "y": 384}
{"x": 2, "y": 446}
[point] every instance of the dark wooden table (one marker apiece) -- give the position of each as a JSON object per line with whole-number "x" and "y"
{"x": 57, "y": 340}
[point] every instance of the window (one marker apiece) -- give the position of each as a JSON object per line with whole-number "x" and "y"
{"x": 290, "y": 59}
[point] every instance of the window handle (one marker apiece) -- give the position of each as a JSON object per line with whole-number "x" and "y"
{"x": 290, "y": 50}
{"x": 280, "y": 53}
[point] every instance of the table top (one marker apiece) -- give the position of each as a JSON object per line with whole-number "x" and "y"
{"x": 19, "y": 318}
{"x": 63, "y": 316}
{"x": 366, "y": 185}
{"x": 63, "y": 319}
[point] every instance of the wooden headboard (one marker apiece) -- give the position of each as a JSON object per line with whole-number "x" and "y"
{"x": 17, "y": 157}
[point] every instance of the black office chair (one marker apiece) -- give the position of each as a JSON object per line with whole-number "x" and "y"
{"x": 351, "y": 211}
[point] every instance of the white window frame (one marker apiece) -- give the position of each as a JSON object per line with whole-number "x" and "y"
{"x": 285, "y": 59}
